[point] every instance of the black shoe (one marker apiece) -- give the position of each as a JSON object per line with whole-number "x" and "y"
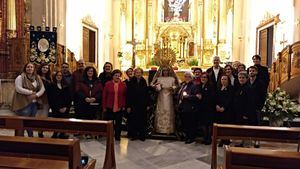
{"x": 220, "y": 144}
{"x": 256, "y": 145}
{"x": 142, "y": 138}
{"x": 41, "y": 135}
{"x": 189, "y": 141}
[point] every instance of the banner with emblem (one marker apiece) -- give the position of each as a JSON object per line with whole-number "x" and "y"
{"x": 43, "y": 45}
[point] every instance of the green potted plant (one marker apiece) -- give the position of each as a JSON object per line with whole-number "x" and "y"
{"x": 279, "y": 107}
{"x": 193, "y": 62}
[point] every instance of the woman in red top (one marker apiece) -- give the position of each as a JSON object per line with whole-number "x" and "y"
{"x": 113, "y": 101}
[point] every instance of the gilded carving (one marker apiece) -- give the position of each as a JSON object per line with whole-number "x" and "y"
{"x": 296, "y": 59}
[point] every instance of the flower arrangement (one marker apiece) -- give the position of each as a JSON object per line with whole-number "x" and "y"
{"x": 279, "y": 107}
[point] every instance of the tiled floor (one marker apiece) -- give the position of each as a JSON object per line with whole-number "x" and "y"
{"x": 153, "y": 154}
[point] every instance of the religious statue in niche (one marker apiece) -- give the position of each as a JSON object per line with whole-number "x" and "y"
{"x": 176, "y": 11}
{"x": 191, "y": 49}
{"x": 43, "y": 45}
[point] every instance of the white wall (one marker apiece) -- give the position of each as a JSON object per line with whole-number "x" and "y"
{"x": 297, "y": 21}
{"x": 250, "y": 15}
{"x": 100, "y": 11}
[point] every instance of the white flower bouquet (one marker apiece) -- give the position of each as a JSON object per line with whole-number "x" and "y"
{"x": 279, "y": 106}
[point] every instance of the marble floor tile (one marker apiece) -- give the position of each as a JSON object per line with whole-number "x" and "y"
{"x": 189, "y": 164}
{"x": 153, "y": 154}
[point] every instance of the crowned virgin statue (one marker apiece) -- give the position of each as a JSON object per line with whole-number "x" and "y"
{"x": 165, "y": 82}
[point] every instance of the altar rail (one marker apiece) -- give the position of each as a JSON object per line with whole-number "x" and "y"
{"x": 285, "y": 71}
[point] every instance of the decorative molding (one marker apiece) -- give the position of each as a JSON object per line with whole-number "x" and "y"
{"x": 268, "y": 19}
{"x": 88, "y": 20}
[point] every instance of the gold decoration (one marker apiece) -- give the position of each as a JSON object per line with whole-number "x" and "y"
{"x": 165, "y": 57}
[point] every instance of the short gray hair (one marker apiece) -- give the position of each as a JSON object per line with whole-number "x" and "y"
{"x": 216, "y": 57}
{"x": 188, "y": 73}
{"x": 243, "y": 73}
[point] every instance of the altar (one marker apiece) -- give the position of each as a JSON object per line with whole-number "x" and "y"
{"x": 188, "y": 28}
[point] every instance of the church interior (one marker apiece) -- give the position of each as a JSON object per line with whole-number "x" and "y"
{"x": 139, "y": 34}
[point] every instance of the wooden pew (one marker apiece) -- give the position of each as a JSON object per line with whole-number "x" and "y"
{"x": 25, "y": 152}
{"x": 249, "y": 158}
{"x": 259, "y": 133}
{"x": 93, "y": 127}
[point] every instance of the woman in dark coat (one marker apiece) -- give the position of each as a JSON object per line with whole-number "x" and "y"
{"x": 223, "y": 109}
{"x": 137, "y": 102}
{"x": 59, "y": 99}
{"x": 223, "y": 101}
{"x": 240, "y": 99}
{"x": 43, "y": 110}
{"x": 129, "y": 74}
{"x": 207, "y": 107}
{"x": 89, "y": 93}
{"x": 229, "y": 71}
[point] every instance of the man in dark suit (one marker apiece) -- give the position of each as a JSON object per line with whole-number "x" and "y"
{"x": 188, "y": 98}
{"x": 262, "y": 71}
{"x": 256, "y": 98}
{"x": 215, "y": 72}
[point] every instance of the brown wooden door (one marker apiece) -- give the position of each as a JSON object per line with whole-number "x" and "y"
{"x": 89, "y": 45}
{"x": 266, "y": 46}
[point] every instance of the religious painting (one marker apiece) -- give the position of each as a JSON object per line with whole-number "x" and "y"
{"x": 176, "y": 11}
{"x": 43, "y": 46}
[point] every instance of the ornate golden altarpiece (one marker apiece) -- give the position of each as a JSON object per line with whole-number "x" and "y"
{"x": 195, "y": 30}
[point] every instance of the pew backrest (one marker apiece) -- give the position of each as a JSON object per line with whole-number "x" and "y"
{"x": 245, "y": 158}
{"x": 42, "y": 148}
{"x": 76, "y": 126}
{"x": 259, "y": 133}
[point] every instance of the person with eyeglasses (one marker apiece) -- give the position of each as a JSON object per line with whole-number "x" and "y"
{"x": 189, "y": 97}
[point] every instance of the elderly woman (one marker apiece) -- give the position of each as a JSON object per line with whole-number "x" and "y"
{"x": 189, "y": 97}
{"x": 29, "y": 89}
{"x": 137, "y": 102}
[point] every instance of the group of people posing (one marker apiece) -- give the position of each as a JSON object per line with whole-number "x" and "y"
{"x": 230, "y": 95}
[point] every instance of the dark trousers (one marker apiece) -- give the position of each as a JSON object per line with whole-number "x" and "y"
{"x": 137, "y": 123}
{"x": 116, "y": 117}
{"x": 207, "y": 132}
{"x": 189, "y": 123}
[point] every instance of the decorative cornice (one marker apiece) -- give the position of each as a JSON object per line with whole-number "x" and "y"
{"x": 269, "y": 19}
{"x": 89, "y": 21}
